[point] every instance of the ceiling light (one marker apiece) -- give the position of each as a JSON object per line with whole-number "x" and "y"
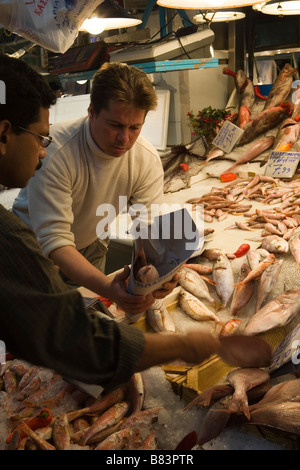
{"x": 108, "y": 15}
{"x": 205, "y": 4}
{"x": 218, "y": 16}
{"x": 279, "y": 8}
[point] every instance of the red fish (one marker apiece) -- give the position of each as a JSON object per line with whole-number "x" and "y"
{"x": 264, "y": 121}
{"x": 282, "y": 86}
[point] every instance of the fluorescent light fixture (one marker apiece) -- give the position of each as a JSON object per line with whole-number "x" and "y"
{"x": 109, "y": 15}
{"x": 284, "y": 8}
{"x": 205, "y": 4}
{"x": 218, "y": 16}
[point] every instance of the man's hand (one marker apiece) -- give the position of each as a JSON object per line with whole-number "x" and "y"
{"x": 117, "y": 291}
{"x": 166, "y": 288}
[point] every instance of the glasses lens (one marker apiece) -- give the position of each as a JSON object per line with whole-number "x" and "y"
{"x": 46, "y": 141}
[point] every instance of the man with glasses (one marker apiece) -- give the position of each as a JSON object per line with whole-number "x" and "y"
{"x": 42, "y": 319}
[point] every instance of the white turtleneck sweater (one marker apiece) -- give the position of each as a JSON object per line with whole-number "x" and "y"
{"x": 61, "y": 200}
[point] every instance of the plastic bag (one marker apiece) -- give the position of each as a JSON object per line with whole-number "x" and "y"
{"x": 52, "y": 24}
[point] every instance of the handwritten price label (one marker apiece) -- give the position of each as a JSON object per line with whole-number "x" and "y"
{"x": 282, "y": 164}
{"x": 227, "y": 137}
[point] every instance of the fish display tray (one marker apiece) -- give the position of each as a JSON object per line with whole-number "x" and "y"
{"x": 189, "y": 381}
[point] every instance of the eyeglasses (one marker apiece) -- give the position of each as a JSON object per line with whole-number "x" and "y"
{"x": 45, "y": 140}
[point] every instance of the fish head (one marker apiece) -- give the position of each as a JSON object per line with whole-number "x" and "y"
{"x": 245, "y": 270}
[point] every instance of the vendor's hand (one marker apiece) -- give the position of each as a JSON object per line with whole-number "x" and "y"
{"x": 166, "y": 288}
{"x": 117, "y": 291}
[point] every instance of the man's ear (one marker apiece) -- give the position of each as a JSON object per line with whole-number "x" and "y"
{"x": 90, "y": 110}
{"x": 5, "y": 132}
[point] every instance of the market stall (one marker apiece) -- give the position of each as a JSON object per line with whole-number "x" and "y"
{"x": 242, "y": 280}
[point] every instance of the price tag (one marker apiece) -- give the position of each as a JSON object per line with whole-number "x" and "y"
{"x": 282, "y": 164}
{"x": 228, "y": 136}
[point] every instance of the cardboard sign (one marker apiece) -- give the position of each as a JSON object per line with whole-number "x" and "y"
{"x": 282, "y": 164}
{"x": 228, "y": 136}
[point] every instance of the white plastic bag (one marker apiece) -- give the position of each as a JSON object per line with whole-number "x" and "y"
{"x": 52, "y": 24}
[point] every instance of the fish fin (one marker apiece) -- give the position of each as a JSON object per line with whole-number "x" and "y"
{"x": 239, "y": 284}
{"x": 210, "y": 281}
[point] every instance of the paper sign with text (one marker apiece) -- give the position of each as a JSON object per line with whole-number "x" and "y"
{"x": 282, "y": 164}
{"x": 228, "y": 136}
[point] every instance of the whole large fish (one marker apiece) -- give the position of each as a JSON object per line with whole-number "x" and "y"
{"x": 267, "y": 281}
{"x": 281, "y": 87}
{"x": 223, "y": 278}
{"x": 243, "y": 380}
{"x": 191, "y": 281}
{"x": 253, "y": 151}
{"x": 242, "y": 293}
{"x": 277, "y": 312}
{"x": 263, "y": 122}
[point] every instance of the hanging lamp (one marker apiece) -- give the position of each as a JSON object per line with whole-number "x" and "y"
{"x": 109, "y": 15}
{"x": 284, "y": 8}
{"x": 205, "y": 4}
{"x": 218, "y": 16}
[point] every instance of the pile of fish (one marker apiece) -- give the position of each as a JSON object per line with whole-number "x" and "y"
{"x": 278, "y": 117}
{"x": 279, "y": 224}
{"x": 77, "y": 421}
{"x": 246, "y": 396}
{"x": 206, "y": 291}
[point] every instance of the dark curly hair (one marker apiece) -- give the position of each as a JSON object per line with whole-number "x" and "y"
{"x": 26, "y": 91}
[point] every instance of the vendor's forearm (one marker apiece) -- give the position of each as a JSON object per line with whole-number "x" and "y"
{"x": 190, "y": 347}
{"x": 79, "y": 270}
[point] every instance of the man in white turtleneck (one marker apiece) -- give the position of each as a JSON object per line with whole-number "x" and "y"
{"x": 94, "y": 160}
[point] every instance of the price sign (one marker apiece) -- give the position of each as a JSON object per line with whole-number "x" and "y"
{"x": 282, "y": 164}
{"x": 228, "y": 136}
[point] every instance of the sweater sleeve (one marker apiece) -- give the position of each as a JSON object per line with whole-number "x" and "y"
{"x": 44, "y": 321}
{"x": 50, "y": 207}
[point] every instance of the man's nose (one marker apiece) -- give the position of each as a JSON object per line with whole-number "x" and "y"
{"x": 123, "y": 135}
{"x": 42, "y": 152}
